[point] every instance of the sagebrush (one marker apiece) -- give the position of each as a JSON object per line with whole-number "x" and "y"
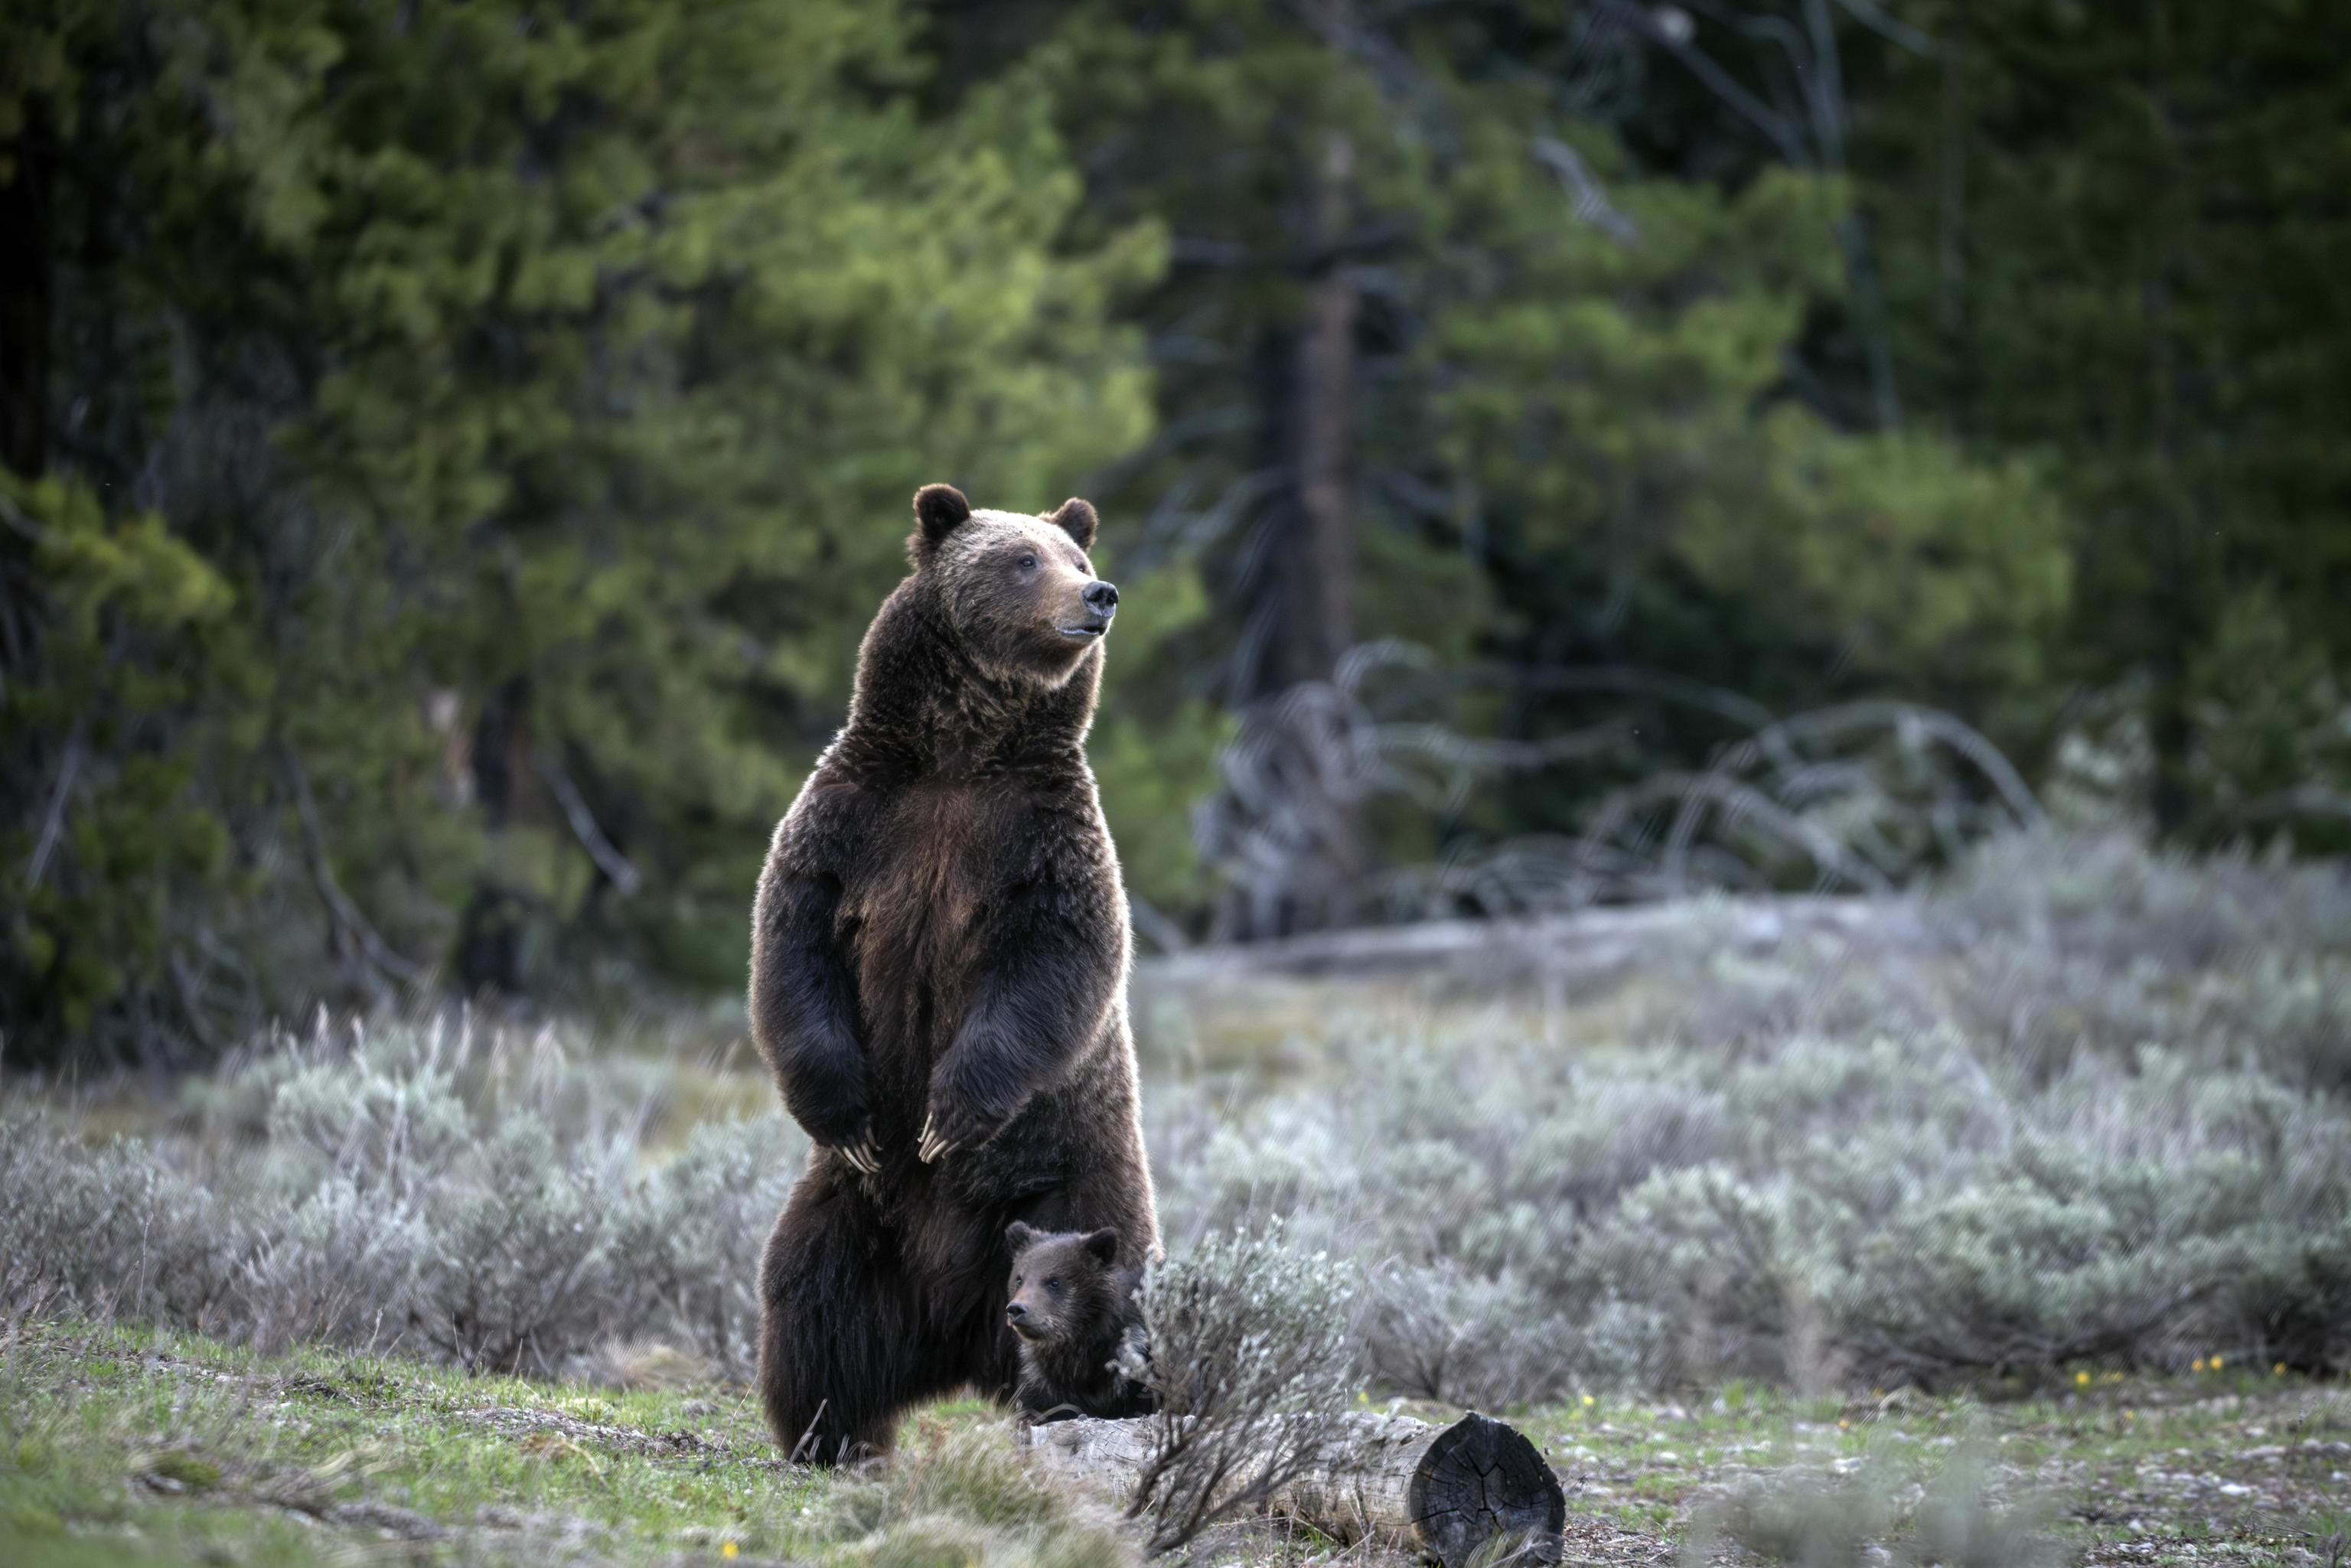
{"x": 470, "y": 1195}
{"x": 2084, "y": 1107}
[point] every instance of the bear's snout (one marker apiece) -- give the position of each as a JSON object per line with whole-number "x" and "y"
{"x": 1098, "y": 603}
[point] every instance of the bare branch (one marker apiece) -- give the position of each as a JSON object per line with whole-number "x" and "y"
{"x": 1774, "y": 126}
{"x": 348, "y": 929}
{"x": 53, "y": 823}
{"x": 1895, "y": 30}
{"x": 1585, "y": 198}
{"x": 608, "y": 860}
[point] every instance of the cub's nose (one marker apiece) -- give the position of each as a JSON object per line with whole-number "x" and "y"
{"x": 1102, "y": 598}
{"x": 1014, "y": 1311}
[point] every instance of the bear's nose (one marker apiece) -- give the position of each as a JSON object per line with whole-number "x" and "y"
{"x": 1102, "y": 598}
{"x": 1016, "y": 1312}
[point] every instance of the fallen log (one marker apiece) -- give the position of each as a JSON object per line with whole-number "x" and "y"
{"x": 1442, "y": 1491}
{"x": 1587, "y": 944}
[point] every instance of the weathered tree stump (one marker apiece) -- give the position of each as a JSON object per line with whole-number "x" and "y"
{"x": 1443, "y": 1492}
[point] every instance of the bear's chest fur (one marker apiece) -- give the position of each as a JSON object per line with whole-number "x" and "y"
{"x": 917, "y": 918}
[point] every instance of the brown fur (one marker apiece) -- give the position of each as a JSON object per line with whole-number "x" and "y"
{"x": 940, "y": 955}
{"x": 1073, "y": 1307}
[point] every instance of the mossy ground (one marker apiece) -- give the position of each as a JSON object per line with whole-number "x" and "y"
{"x": 132, "y": 1447}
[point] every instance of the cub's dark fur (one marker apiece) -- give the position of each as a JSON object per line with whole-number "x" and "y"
{"x": 1073, "y": 1307}
{"x": 938, "y": 967}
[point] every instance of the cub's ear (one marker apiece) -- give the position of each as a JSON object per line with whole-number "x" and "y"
{"x": 1017, "y": 1236}
{"x": 939, "y": 509}
{"x": 1077, "y": 519}
{"x": 1104, "y": 1245}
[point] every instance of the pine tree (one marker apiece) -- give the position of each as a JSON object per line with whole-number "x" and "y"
{"x": 535, "y": 393}
{"x": 2118, "y": 237}
{"x": 1437, "y": 345}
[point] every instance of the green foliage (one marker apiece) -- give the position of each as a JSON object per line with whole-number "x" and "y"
{"x": 1586, "y": 437}
{"x": 2115, "y": 243}
{"x": 2273, "y": 718}
{"x": 147, "y": 670}
{"x": 535, "y": 398}
{"x": 475, "y": 436}
{"x": 1949, "y": 576}
{"x": 1154, "y": 764}
{"x": 1600, "y": 380}
{"x": 1603, "y": 394}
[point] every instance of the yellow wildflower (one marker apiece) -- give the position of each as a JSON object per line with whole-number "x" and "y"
{"x": 728, "y": 1550}
{"x": 2081, "y": 1380}
{"x": 2278, "y": 1371}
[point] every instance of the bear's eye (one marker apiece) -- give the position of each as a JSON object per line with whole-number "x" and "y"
{"x": 1016, "y": 1281}
{"x": 1054, "y": 1283}
{"x": 1029, "y": 563}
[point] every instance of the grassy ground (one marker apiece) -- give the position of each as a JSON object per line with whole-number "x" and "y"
{"x": 2242, "y": 1466}
{"x": 120, "y": 1447}
{"x": 132, "y": 1447}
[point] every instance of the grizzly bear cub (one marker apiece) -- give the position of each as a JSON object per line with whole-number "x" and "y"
{"x": 1074, "y": 1310}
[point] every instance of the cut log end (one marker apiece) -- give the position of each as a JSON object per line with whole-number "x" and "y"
{"x": 1480, "y": 1479}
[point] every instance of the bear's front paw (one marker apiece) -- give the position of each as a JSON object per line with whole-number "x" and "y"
{"x": 949, "y": 1127}
{"x": 862, "y": 1153}
{"x": 852, "y": 1137}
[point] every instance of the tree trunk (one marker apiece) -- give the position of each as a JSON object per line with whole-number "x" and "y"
{"x": 1319, "y": 590}
{"x": 1440, "y": 1491}
{"x": 2184, "y": 569}
{"x": 489, "y": 956}
{"x": 27, "y": 260}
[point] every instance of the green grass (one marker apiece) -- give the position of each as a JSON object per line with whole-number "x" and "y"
{"x": 136, "y": 1446}
{"x": 120, "y": 1446}
{"x": 2120, "y": 1469}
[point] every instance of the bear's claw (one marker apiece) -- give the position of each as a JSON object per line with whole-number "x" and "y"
{"x": 862, "y": 1154}
{"x": 934, "y": 1148}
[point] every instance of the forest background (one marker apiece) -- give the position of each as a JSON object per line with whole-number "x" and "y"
{"x": 1549, "y": 454}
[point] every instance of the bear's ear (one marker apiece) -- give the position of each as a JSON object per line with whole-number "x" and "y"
{"x": 939, "y": 509}
{"x": 1077, "y": 519}
{"x": 1104, "y": 1245}
{"x": 1017, "y": 1236}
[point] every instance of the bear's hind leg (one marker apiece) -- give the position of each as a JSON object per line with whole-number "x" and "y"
{"x": 842, "y": 1352}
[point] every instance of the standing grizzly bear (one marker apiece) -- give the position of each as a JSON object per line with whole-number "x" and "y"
{"x": 939, "y": 961}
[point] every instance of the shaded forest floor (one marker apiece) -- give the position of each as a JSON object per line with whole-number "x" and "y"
{"x": 141, "y": 1448}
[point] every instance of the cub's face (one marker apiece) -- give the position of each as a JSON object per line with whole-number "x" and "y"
{"x": 1061, "y": 1281}
{"x": 1019, "y": 587}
